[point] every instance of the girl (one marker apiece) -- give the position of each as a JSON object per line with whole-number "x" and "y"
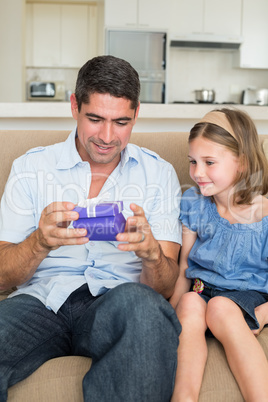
{"x": 224, "y": 257}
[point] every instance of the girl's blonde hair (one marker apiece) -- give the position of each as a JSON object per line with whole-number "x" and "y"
{"x": 252, "y": 179}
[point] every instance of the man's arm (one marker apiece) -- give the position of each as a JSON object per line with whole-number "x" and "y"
{"x": 159, "y": 258}
{"x": 18, "y": 262}
{"x": 162, "y": 271}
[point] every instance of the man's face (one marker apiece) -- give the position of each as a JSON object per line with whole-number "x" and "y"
{"x": 104, "y": 127}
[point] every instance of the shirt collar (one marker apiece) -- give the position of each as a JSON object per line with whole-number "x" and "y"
{"x": 70, "y": 157}
{"x": 128, "y": 155}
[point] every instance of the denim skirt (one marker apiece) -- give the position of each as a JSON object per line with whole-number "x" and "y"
{"x": 247, "y": 300}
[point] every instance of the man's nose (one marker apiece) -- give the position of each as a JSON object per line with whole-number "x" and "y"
{"x": 106, "y": 134}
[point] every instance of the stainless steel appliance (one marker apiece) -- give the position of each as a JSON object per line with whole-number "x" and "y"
{"x": 146, "y": 52}
{"x": 205, "y": 95}
{"x": 255, "y": 97}
{"x": 46, "y": 91}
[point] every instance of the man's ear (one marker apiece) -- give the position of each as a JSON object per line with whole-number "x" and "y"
{"x": 74, "y": 106}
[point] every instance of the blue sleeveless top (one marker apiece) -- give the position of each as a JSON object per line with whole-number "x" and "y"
{"x": 225, "y": 256}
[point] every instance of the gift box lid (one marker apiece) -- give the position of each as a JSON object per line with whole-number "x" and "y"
{"x": 93, "y": 210}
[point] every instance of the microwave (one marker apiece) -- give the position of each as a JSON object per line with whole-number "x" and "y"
{"x": 46, "y": 91}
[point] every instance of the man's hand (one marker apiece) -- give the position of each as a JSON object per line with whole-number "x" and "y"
{"x": 159, "y": 258}
{"x": 139, "y": 237}
{"x": 53, "y": 230}
{"x": 18, "y": 262}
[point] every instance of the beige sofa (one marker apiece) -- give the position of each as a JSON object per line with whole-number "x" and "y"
{"x": 60, "y": 379}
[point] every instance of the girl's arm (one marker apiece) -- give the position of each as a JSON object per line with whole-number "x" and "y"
{"x": 183, "y": 284}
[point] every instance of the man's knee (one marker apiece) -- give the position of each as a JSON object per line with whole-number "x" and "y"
{"x": 142, "y": 307}
{"x": 141, "y": 299}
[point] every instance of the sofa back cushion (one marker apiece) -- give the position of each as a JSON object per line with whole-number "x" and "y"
{"x": 171, "y": 146}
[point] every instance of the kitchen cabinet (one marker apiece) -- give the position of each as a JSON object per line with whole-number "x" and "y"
{"x": 60, "y": 35}
{"x": 120, "y": 13}
{"x": 43, "y": 22}
{"x": 137, "y": 14}
{"x": 205, "y": 17}
{"x": 253, "y": 52}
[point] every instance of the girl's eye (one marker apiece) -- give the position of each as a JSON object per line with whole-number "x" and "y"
{"x": 192, "y": 162}
{"x": 209, "y": 163}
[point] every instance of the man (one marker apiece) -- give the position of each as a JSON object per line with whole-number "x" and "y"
{"x": 100, "y": 299}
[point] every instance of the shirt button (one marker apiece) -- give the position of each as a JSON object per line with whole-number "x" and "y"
{"x": 92, "y": 244}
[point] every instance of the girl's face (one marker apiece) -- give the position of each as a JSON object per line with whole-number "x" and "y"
{"x": 213, "y": 167}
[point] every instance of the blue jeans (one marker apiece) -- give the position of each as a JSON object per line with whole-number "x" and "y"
{"x": 131, "y": 334}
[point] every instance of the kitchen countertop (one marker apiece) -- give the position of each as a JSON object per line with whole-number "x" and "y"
{"x": 151, "y": 111}
{"x": 152, "y": 117}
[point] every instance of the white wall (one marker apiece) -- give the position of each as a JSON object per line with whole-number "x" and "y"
{"x": 12, "y": 50}
{"x": 196, "y": 69}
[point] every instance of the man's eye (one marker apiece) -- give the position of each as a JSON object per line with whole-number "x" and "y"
{"x": 121, "y": 123}
{"x": 93, "y": 120}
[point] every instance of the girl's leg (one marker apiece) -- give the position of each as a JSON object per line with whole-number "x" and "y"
{"x": 261, "y": 313}
{"x": 244, "y": 353}
{"x": 192, "y": 350}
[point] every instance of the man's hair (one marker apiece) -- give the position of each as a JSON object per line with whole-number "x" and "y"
{"x": 253, "y": 179}
{"x": 107, "y": 75}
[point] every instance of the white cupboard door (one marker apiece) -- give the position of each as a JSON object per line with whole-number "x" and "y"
{"x": 223, "y": 17}
{"x": 254, "y": 49}
{"x": 74, "y": 35}
{"x": 154, "y": 14}
{"x": 92, "y": 32}
{"x": 46, "y": 35}
{"x": 121, "y": 13}
{"x": 29, "y": 35}
{"x": 186, "y": 17}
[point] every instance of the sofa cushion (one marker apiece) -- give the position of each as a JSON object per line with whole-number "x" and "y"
{"x": 57, "y": 380}
{"x": 60, "y": 379}
{"x": 219, "y": 384}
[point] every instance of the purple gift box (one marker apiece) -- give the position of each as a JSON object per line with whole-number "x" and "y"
{"x": 103, "y": 221}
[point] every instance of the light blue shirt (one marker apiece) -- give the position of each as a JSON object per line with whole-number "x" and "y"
{"x": 57, "y": 173}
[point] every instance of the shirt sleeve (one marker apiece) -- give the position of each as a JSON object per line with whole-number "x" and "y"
{"x": 165, "y": 209}
{"x": 191, "y": 208}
